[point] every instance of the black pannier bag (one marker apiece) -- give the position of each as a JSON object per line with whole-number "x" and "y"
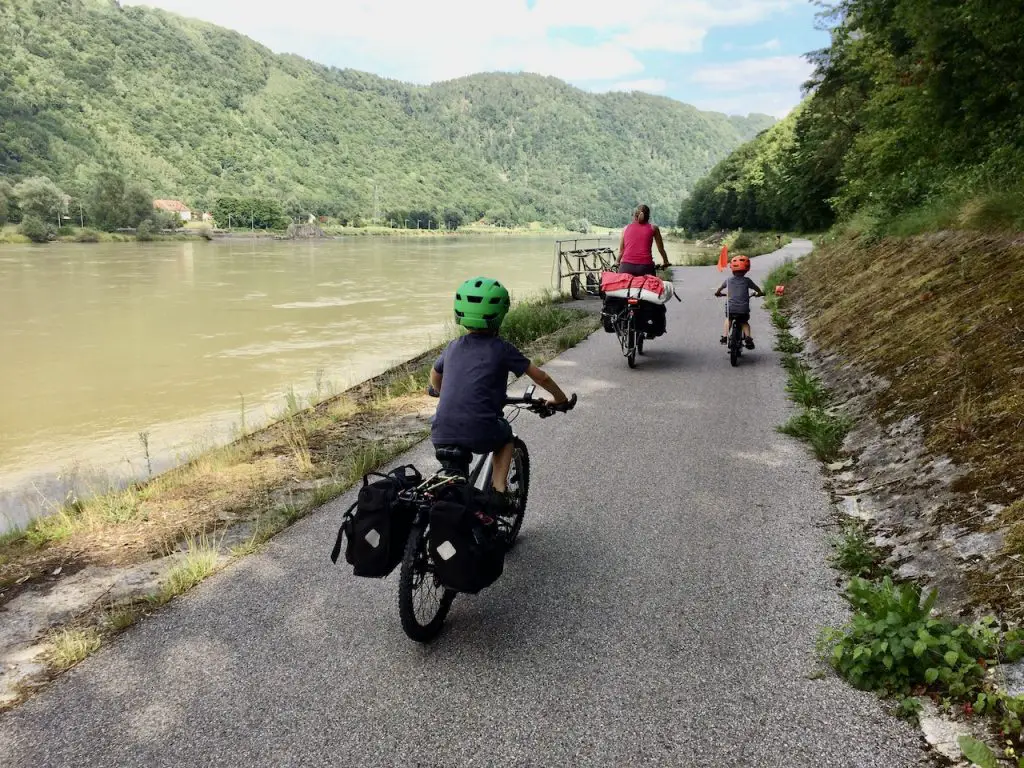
{"x": 377, "y": 525}
{"x": 650, "y": 318}
{"x": 612, "y": 306}
{"x": 466, "y": 547}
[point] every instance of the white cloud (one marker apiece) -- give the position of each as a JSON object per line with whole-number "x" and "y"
{"x": 582, "y": 41}
{"x": 768, "y": 45}
{"x": 649, "y": 85}
{"x": 775, "y": 103}
{"x": 775, "y": 72}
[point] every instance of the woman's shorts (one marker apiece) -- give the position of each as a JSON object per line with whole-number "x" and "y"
{"x": 638, "y": 269}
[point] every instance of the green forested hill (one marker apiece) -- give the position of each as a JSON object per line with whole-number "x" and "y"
{"x": 914, "y": 120}
{"x": 195, "y": 112}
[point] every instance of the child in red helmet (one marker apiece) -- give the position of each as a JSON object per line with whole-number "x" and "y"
{"x": 739, "y": 287}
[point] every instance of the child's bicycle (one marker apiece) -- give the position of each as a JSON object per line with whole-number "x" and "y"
{"x": 734, "y": 339}
{"x": 423, "y": 600}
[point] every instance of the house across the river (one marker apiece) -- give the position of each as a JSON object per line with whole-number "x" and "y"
{"x": 174, "y": 206}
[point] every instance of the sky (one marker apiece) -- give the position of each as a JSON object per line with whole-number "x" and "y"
{"x": 733, "y": 56}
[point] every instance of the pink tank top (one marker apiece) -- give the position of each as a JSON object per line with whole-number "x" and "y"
{"x": 637, "y": 247}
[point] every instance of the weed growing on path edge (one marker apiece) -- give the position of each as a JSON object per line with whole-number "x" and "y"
{"x": 69, "y": 646}
{"x": 806, "y": 389}
{"x": 894, "y": 645}
{"x": 822, "y": 429}
{"x": 854, "y": 553}
{"x": 198, "y": 562}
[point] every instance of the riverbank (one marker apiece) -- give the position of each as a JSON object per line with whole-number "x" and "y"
{"x": 195, "y": 231}
{"x": 71, "y": 581}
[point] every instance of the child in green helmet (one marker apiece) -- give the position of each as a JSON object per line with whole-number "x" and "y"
{"x": 471, "y": 376}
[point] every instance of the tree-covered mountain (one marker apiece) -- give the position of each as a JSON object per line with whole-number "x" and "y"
{"x": 916, "y": 105}
{"x": 196, "y": 112}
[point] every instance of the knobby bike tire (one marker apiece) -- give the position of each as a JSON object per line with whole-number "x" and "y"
{"x": 413, "y": 564}
{"x": 575, "y": 288}
{"x": 520, "y": 465}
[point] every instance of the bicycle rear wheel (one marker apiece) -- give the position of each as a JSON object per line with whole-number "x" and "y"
{"x": 518, "y": 487}
{"x": 628, "y": 339}
{"x": 423, "y": 603}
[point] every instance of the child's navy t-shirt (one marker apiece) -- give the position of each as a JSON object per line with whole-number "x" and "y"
{"x": 475, "y": 368}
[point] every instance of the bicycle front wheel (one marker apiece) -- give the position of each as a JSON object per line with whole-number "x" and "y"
{"x": 423, "y": 603}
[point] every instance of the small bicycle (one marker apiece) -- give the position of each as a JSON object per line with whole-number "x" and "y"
{"x": 423, "y": 601}
{"x": 734, "y": 339}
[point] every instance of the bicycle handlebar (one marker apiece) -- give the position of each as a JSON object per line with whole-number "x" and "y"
{"x": 541, "y": 407}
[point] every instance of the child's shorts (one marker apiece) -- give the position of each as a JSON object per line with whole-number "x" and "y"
{"x": 740, "y": 317}
{"x": 486, "y": 440}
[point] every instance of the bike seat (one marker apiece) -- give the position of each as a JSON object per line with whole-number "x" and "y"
{"x": 454, "y": 457}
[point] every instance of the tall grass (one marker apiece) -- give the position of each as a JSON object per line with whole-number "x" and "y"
{"x": 529, "y": 320}
{"x": 69, "y": 646}
{"x": 198, "y": 562}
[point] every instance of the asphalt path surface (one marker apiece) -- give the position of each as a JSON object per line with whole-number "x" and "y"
{"x": 660, "y": 608}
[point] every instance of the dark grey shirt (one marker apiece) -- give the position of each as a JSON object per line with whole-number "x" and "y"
{"x": 739, "y": 293}
{"x": 475, "y": 368}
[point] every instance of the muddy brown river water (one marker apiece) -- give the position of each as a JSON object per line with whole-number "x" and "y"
{"x": 102, "y": 342}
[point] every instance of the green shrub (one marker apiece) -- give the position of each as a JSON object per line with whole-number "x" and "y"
{"x": 893, "y": 645}
{"x": 743, "y": 241}
{"x": 87, "y": 236}
{"x": 37, "y": 230}
{"x": 144, "y": 231}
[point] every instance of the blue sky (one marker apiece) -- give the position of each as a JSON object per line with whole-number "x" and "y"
{"x": 736, "y": 56}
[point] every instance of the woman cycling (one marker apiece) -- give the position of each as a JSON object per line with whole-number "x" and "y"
{"x": 635, "y": 256}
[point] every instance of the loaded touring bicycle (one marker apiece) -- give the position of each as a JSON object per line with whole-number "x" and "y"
{"x": 444, "y": 532}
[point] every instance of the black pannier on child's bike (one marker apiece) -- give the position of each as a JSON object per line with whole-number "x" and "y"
{"x": 447, "y": 531}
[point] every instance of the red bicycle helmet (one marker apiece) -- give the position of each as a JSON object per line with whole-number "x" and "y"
{"x": 739, "y": 264}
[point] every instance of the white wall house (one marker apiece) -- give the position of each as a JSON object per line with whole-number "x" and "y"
{"x": 174, "y": 206}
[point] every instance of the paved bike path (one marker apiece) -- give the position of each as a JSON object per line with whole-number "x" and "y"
{"x": 660, "y": 608}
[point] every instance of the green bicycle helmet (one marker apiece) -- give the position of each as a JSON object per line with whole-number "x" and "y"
{"x": 481, "y": 303}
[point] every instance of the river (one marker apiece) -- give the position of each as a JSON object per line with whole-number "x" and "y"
{"x": 102, "y": 343}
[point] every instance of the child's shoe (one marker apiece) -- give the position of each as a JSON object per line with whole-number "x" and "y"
{"x": 723, "y": 340}
{"x": 748, "y": 342}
